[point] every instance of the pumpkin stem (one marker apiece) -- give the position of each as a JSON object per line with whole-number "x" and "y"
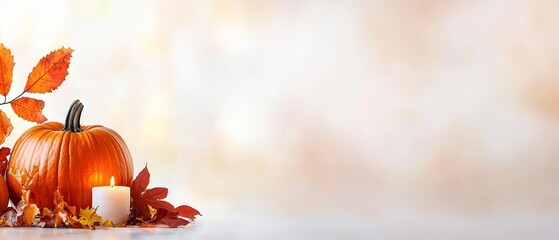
{"x": 72, "y": 123}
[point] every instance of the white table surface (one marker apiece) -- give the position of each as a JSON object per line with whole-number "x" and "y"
{"x": 508, "y": 227}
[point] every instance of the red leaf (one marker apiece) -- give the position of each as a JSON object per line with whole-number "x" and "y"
{"x": 160, "y": 204}
{"x": 142, "y": 181}
{"x": 29, "y": 109}
{"x": 156, "y": 193}
{"x": 166, "y": 213}
{"x": 174, "y": 222}
{"x": 6, "y": 70}
{"x": 50, "y": 72}
{"x": 187, "y": 212}
{"x": 138, "y": 187}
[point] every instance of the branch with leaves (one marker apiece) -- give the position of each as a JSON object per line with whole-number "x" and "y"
{"x": 45, "y": 77}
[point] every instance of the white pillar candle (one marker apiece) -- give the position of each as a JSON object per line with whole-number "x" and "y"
{"x": 112, "y": 202}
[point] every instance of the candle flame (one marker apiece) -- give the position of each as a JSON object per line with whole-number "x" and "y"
{"x": 112, "y": 181}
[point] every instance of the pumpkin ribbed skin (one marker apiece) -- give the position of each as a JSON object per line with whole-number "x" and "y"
{"x": 3, "y": 194}
{"x": 73, "y": 162}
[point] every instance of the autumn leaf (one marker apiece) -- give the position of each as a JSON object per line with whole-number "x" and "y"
{"x": 50, "y": 72}
{"x": 9, "y": 218}
{"x": 108, "y": 223}
{"x": 142, "y": 181}
{"x": 29, "y": 213}
{"x": 138, "y": 187}
{"x": 149, "y": 207}
{"x": 187, "y": 212}
{"x": 6, "y": 69}
{"x": 5, "y": 127}
{"x": 152, "y": 197}
{"x": 4, "y": 152}
{"x": 88, "y": 217}
{"x": 29, "y": 109}
{"x": 58, "y": 198}
{"x": 142, "y": 198}
{"x": 24, "y": 177}
{"x": 62, "y": 205}
{"x": 172, "y": 220}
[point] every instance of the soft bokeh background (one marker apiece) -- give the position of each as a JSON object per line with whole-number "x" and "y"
{"x": 397, "y": 119}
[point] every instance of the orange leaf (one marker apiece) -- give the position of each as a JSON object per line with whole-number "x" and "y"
{"x": 6, "y": 69}
{"x": 29, "y": 109}
{"x": 4, "y": 152}
{"x": 50, "y": 72}
{"x": 29, "y": 213}
{"x": 5, "y": 127}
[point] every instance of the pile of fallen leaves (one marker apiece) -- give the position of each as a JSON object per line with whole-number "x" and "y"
{"x": 148, "y": 209}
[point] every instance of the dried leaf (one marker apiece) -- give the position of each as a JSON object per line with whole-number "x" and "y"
{"x": 156, "y": 193}
{"x": 187, "y": 212}
{"x": 4, "y": 152}
{"x": 50, "y": 72}
{"x": 174, "y": 222}
{"x": 24, "y": 177}
{"x": 58, "y": 198}
{"x": 9, "y": 218}
{"x": 142, "y": 199}
{"x": 142, "y": 181}
{"x": 138, "y": 187}
{"x": 107, "y": 223}
{"x": 148, "y": 206}
{"x": 29, "y": 109}
{"x": 29, "y": 213}
{"x": 159, "y": 204}
{"x": 153, "y": 198}
{"x": 46, "y": 211}
{"x": 88, "y": 217}
{"x": 62, "y": 205}
{"x": 60, "y": 218}
{"x": 25, "y": 195}
{"x": 6, "y": 70}
{"x": 5, "y": 127}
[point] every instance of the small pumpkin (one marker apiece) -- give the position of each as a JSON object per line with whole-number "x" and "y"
{"x": 4, "y": 195}
{"x": 71, "y": 158}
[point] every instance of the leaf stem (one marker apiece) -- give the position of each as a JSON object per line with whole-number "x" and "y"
{"x": 18, "y": 96}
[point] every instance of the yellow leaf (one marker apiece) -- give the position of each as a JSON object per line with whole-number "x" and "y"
{"x": 29, "y": 213}
{"x": 108, "y": 223}
{"x": 152, "y": 211}
{"x": 88, "y": 217}
{"x": 25, "y": 195}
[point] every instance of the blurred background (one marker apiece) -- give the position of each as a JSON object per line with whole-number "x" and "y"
{"x": 400, "y": 119}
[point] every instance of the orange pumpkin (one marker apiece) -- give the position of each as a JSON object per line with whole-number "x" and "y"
{"x": 70, "y": 157}
{"x": 3, "y": 195}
